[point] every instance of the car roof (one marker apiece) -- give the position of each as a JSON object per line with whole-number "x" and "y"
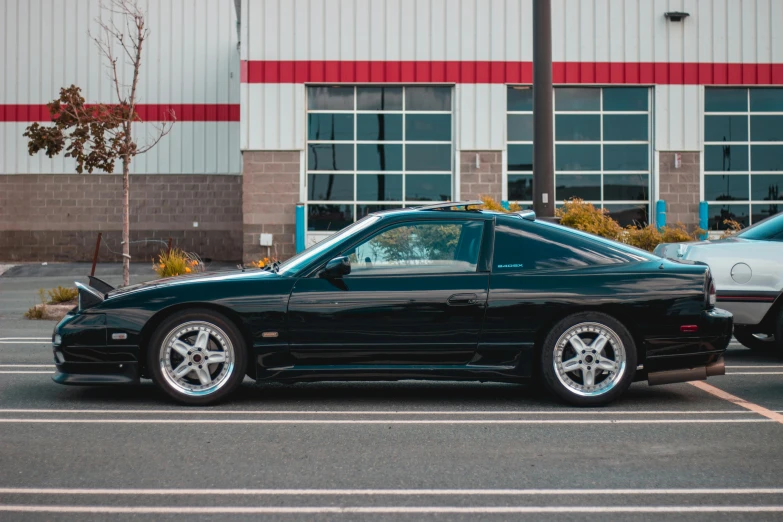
{"x": 452, "y": 210}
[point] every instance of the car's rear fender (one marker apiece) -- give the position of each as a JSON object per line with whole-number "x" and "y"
{"x": 613, "y": 310}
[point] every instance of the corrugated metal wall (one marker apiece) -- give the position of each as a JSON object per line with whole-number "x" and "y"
{"x": 190, "y": 58}
{"x": 586, "y": 33}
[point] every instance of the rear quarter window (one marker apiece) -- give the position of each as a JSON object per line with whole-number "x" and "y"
{"x": 770, "y": 229}
{"x": 526, "y": 246}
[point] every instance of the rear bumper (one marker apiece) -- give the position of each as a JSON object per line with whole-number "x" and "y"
{"x": 714, "y": 333}
{"x": 691, "y": 358}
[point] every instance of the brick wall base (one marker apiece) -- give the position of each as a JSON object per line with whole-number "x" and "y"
{"x": 57, "y": 217}
{"x": 484, "y": 180}
{"x": 680, "y": 187}
{"x": 270, "y": 192}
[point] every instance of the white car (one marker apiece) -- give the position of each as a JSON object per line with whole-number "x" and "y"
{"x": 748, "y": 272}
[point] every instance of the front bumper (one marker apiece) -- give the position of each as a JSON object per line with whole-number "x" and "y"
{"x": 91, "y": 374}
{"x": 82, "y": 355}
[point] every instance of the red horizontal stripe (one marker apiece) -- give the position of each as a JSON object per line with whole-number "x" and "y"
{"x": 745, "y": 298}
{"x": 660, "y": 73}
{"x": 146, "y": 111}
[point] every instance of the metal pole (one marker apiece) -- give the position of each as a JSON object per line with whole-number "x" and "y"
{"x": 543, "y": 133}
{"x": 95, "y": 254}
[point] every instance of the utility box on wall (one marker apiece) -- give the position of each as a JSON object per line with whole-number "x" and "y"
{"x": 265, "y": 240}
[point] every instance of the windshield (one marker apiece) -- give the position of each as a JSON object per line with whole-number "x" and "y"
{"x": 770, "y": 229}
{"x": 303, "y": 258}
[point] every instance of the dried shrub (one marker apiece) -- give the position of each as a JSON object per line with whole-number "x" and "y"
{"x": 491, "y": 204}
{"x": 62, "y": 294}
{"x": 37, "y": 311}
{"x": 646, "y": 238}
{"x": 733, "y": 226}
{"x": 176, "y": 262}
{"x": 263, "y": 263}
{"x": 650, "y": 236}
{"x": 678, "y": 233}
{"x": 578, "y": 214}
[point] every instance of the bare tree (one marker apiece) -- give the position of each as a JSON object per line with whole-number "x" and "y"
{"x": 96, "y": 136}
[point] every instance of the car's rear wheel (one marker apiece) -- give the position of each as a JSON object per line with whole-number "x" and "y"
{"x": 197, "y": 357}
{"x": 588, "y": 359}
{"x": 757, "y": 342}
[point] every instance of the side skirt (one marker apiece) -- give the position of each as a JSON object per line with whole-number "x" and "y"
{"x": 390, "y": 373}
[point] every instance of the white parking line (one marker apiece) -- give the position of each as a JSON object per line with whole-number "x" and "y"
{"x": 754, "y": 373}
{"x": 388, "y": 492}
{"x": 25, "y": 339}
{"x": 26, "y": 366}
{"x": 758, "y": 366}
{"x": 214, "y": 510}
{"x": 206, "y": 411}
{"x": 25, "y": 371}
{"x": 384, "y": 422}
{"x": 26, "y": 342}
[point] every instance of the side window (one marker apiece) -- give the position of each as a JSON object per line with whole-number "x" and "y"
{"x": 524, "y": 248}
{"x": 419, "y": 248}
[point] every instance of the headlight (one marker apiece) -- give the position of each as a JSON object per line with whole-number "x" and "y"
{"x": 58, "y": 340}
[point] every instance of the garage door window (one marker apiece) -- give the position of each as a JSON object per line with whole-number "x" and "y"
{"x": 374, "y": 148}
{"x": 743, "y": 151}
{"x": 602, "y": 148}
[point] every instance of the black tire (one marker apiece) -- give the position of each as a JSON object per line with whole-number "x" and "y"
{"x": 223, "y": 341}
{"x": 779, "y": 330}
{"x": 613, "y": 387}
{"x": 746, "y": 338}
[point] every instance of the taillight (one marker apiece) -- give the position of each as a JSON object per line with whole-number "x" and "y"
{"x": 713, "y": 297}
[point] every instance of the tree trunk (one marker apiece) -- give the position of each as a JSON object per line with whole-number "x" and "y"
{"x": 125, "y": 221}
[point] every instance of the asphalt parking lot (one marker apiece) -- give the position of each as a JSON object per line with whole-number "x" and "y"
{"x": 406, "y": 450}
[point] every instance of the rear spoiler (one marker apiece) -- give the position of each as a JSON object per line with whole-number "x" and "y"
{"x": 100, "y": 285}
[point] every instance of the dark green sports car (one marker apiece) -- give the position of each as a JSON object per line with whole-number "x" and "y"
{"x": 434, "y": 292}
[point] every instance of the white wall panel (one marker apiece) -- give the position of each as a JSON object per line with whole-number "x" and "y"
{"x": 678, "y": 123}
{"x": 190, "y": 57}
{"x": 274, "y": 117}
{"x": 480, "y": 116}
{"x": 583, "y": 30}
{"x": 211, "y": 149}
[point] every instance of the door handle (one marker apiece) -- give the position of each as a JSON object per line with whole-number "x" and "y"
{"x": 462, "y": 299}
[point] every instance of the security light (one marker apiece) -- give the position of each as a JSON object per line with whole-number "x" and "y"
{"x": 676, "y": 16}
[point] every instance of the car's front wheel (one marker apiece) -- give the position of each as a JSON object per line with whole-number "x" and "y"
{"x": 197, "y": 357}
{"x": 588, "y": 359}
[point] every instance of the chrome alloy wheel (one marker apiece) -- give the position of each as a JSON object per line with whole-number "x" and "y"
{"x": 197, "y": 358}
{"x": 589, "y": 359}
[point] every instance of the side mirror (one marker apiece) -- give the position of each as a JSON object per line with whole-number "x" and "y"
{"x": 336, "y": 268}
